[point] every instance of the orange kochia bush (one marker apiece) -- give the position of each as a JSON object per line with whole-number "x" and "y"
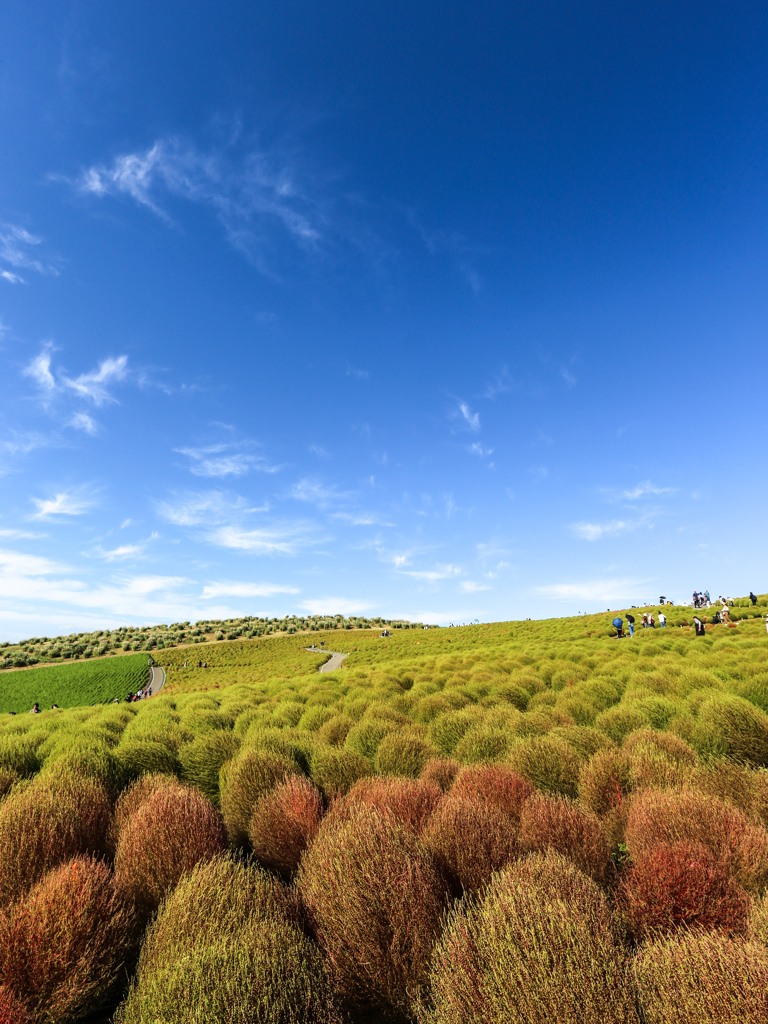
{"x": 496, "y": 785}
{"x": 284, "y": 823}
{"x": 375, "y": 900}
{"x": 65, "y": 945}
{"x": 173, "y": 829}
{"x": 556, "y": 823}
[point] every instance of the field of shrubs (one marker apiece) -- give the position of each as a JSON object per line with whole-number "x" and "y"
{"x": 524, "y": 822}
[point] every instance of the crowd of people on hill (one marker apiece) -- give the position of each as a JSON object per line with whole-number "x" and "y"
{"x": 701, "y": 599}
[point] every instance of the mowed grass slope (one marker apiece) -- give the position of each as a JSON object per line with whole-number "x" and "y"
{"x": 518, "y": 822}
{"x": 72, "y": 685}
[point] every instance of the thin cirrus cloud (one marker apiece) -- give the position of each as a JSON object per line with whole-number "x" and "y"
{"x": 223, "y": 460}
{"x": 224, "y": 588}
{"x": 440, "y": 572}
{"x": 82, "y": 421}
{"x": 95, "y": 386}
{"x": 65, "y": 503}
{"x": 288, "y": 540}
{"x": 615, "y": 591}
{"x": 203, "y": 508}
{"x": 247, "y": 192}
{"x": 19, "y": 251}
{"x": 471, "y": 419}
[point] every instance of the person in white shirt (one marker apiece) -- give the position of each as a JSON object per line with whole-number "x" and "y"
{"x": 662, "y": 620}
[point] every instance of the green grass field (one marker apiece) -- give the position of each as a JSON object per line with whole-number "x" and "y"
{"x": 521, "y": 821}
{"x": 72, "y": 685}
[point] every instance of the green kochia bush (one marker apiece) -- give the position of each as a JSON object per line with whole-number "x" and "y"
{"x": 225, "y": 947}
{"x": 727, "y": 724}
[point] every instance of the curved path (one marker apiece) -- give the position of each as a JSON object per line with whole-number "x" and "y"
{"x": 334, "y": 662}
{"x": 156, "y": 680}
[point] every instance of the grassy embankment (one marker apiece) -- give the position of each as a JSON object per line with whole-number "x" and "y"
{"x": 69, "y": 686}
{"x": 518, "y": 822}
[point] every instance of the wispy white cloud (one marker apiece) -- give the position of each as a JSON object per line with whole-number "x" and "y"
{"x": 202, "y": 508}
{"x": 361, "y": 518}
{"x": 39, "y": 369}
{"x": 122, "y": 553}
{"x": 13, "y": 534}
{"x": 20, "y": 250}
{"x": 471, "y": 419}
{"x": 226, "y": 588}
{"x": 319, "y": 451}
{"x": 94, "y": 386}
{"x": 316, "y": 493}
{"x": 82, "y": 421}
{"x": 472, "y": 586}
{"x": 440, "y": 572}
{"x": 596, "y": 531}
{"x": 66, "y": 503}
{"x": 501, "y": 384}
{"x": 288, "y": 540}
{"x": 604, "y": 591}
{"x": 247, "y": 192}
{"x": 480, "y": 450}
{"x": 223, "y": 460}
{"x": 645, "y": 489}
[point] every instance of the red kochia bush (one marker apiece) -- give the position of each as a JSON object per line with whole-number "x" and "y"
{"x": 681, "y": 886}
{"x": 659, "y": 817}
{"x": 495, "y": 784}
{"x": 375, "y": 900}
{"x": 470, "y": 840}
{"x": 556, "y": 823}
{"x": 48, "y": 822}
{"x": 440, "y": 770}
{"x": 66, "y": 943}
{"x": 284, "y": 823}
{"x": 409, "y": 801}
{"x": 173, "y": 829}
{"x": 12, "y": 1011}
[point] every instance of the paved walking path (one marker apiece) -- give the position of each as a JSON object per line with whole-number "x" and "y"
{"x": 333, "y": 663}
{"x": 156, "y": 680}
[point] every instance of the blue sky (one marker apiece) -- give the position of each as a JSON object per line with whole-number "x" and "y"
{"x": 449, "y": 312}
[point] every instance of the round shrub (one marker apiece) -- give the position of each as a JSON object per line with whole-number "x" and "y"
{"x": 446, "y": 730}
{"x": 605, "y": 781}
{"x": 202, "y": 759}
{"x": 496, "y": 785}
{"x": 400, "y": 753}
{"x": 267, "y": 974}
{"x": 335, "y": 730}
{"x": 583, "y": 738}
{"x": 87, "y": 761}
{"x": 619, "y": 721}
{"x": 335, "y": 771}
{"x": 548, "y": 762}
{"x": 12, "y": 1010}
{"x": 129, "y": 801}
{"x": 537, "y": 948}
{"x": 365, "y": 737}
{"x": 482, "y": 744}
{"x": 146, "y": 757}
{"x": 284, "y": 823}
{"x": 666, "y": 743}
{"x": 244, "y": 781}
{"x": 555, "y": 823}
{"x": 18, "y": 755}
{"x": 66, "y": 944}
{"x": 702, "y": 977}
{"x": 470, "y": 840}
{"x": 409, "y": 802}
{"x": 314, "y": 717}
{"x": 45, "y": 823}
{"x": 441, "y": 771}
{"x": 173, "y": 829}
{"x": 375, "y": 900}
{"x": 681, "y": 886}
{"x": 663, "y": 818}
{"x": 729, "y": 725}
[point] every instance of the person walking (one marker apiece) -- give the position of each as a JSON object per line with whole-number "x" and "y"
{"x": 662, "y": 620}
{"x": 645, "y": 620}
{"x": 631, "y": 623}
{"x": 651, "y": 621}
{"x": 752, "y": 598}
{"x": 726, "y": 615}
{"x": 618, "y": 623}
{"x": 698, "y": 626}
